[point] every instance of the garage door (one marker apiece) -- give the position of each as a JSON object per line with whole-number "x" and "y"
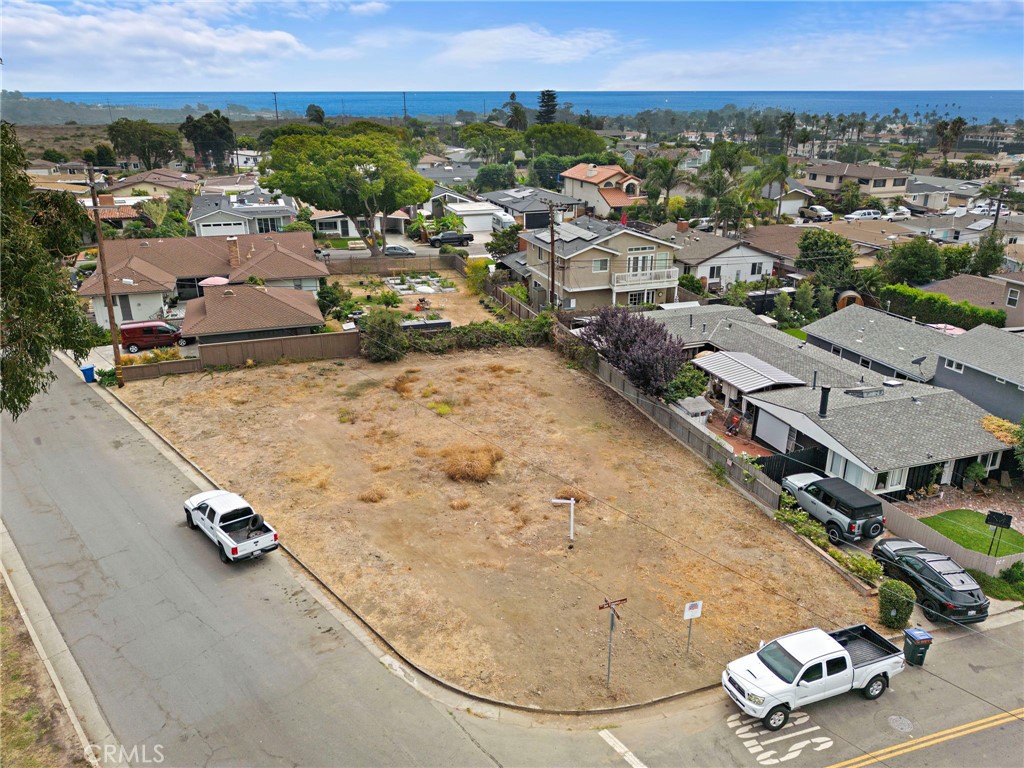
{"x": 773, "y": 431}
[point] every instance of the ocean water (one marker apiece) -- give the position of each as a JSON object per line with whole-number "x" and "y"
{"x": 977, "y": 105}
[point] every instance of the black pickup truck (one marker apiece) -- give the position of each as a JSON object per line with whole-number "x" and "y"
{"x": 451, "y": 238}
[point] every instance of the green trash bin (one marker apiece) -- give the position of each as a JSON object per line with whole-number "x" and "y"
{"x": 916, "y": 643}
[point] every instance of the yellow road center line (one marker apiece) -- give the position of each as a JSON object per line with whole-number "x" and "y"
{"x": 927, "y": 741}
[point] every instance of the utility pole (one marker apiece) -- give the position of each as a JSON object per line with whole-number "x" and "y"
{"x": 612, "y": 616}
{"x": 551, "y": 271}
{"x": 999, "y": 207}
{"x": 405, "y": 112}
{"x": 277, "y": 117}
{"x": 115, "y": 334}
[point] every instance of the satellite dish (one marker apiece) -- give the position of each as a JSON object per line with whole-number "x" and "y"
{"x": 917, "y": 360}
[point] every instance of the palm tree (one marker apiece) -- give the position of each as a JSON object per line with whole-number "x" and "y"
{"x": 517, "y": 119}
{"x": 787, "y": 127}
{"x": 827, "y": 121}
{"x": 776, "y": 170}
{"x": 802, "y": 136}
{"x": 663, "y": 174}
{"x": 956, "y": 129}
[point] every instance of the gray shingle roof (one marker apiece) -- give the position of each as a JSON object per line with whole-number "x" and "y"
{"x": 889, "y": 340}
{"x": 248, "y": 205}
{"x": 984, "y": 348}
{"x": 694, "y": 325}
{"x": 528, "y": 199}
{"x": 906, "y": 426}
{"x": 579, "y": 235}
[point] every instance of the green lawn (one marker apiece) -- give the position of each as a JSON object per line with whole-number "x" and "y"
{"x": 797, "y": 333}
{"x": 998, "y": 588}
{"x": 967, "y": 528}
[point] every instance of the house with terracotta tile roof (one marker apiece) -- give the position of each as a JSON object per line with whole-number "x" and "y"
{"x": 113, "y": 211}
{"x": 599, "y": 263}
{"x": 606, "y": 189}
{"x": 247, "y": 312}
{"x": 145, "y": 274}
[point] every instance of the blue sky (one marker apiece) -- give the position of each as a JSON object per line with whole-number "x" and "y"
{"x": 310, "y": 45}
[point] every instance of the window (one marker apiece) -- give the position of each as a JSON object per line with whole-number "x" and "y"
{"x": 636, "y": 298}
{"x": 837, "y": 350}
{"x": 837, "y": 464}
{"x": 640, "y": 263}
{"x": 953, "y": 365}
{"x": 899, "y": 182}
{"x": 863, "y": 182}
{"x": 990, "y": 460}
{"x": 829, "y": 178}
{"x": 297, "y": 284}
{"x": 835, "y": 666}
{"x": 878, "y": 183}
{"x": 600, "y": 265}
{"x": 325, "y": 226}
{"x": 881, "y": 481}
{"x": 639, "y": 248}
{"x": 812, "y": 176}
{"x": 267, "y": 225}
{"x": 813, "y": 674}
{"x": 1012, "y": 297}
{"x": 568, "y": 303}
{"x": 1012, "y": 240}
{"x": 1000, "y": 381}
{"x": 715, "y": 273}
{"x": 865, "y": 363}
{"x": 756, "y": 268}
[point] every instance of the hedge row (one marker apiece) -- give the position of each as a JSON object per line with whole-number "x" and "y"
{"x": 528, "y": 333}
{"x": 936, "y": 308}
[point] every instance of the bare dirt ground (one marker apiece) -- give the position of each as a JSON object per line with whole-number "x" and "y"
{"x": 36, "y": 730}
{"x": 474, "y": 581}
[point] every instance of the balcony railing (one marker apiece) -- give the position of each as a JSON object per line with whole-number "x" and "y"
{"x": 655, "y": 278}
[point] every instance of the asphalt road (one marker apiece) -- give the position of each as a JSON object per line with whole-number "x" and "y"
{"x": 241, "y": 666}
{"x": 218, "y": 665}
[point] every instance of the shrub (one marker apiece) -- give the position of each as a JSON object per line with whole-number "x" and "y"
{"x": 895, "y": 603}
{"x": 98, "y": 336}
{"x": 975, "y": 471}
{"x": 389, "y": 299}
{"x": 936, "y": 308}
{"x": 476, "y": 464}
{"x": 1014, "y": 574}
{"x": 689, "y": 382}
{"x": 107, "y": 377}
{"x": 381, "y": 337}
{"x": 518, "y": 291}
{"x": 864, "y": 566}
{"x": 528, "y": 333}
{"x": 331, "y": 295}
{"x": 692, "y": 284}
{"x": 476, "y": 274}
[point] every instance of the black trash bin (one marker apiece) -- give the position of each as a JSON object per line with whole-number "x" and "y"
{"x": 916, "y": 643}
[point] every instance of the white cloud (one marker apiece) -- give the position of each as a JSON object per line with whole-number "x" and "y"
{"x": 368, "y": 9}
{"x": 526, "y": 43}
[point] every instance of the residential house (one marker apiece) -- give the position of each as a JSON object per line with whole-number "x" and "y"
{"x": 998, "y": 292}
{"x": 716, "y": 261}
{"x": 922, "y": 197}
{"x": 985, "y": 365}
{"x": 846, "y": 421}
{"x": 453, "y": 173}
{"x": 892, "y": 346}
{"x": 159, "y": 182}
{"x": 961, "y": 192}
{"x": 430, "y": 161}
{"x": 780, "y": 240}
{"x": 599, "y": 263}
{"x": 257, "y": 211}
{"x": 793, "y": 196}
{"x": 146, "y": 274}
{"x": 606, "y": 189}
{"x": 231, "y": 185}
{"x": 476, "y": 216}
{"x": 113, "y": 210}
{"x": 530, "y": 206}
{"x": 247, "y": 159}
{"x": 871, "y": 180}
{"x": 247, "y": 312}
{"x": 870, "y": 237}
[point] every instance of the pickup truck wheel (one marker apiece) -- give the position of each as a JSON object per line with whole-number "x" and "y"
{"x": 835, "y": 536}
{"x": 188, "y": 521}
{"x": 224, "y": 555}
{"x": 776, "y": 718}
{"x": 876, "y": 687}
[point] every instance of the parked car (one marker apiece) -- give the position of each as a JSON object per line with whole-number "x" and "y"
{"x": 863, "y": 214}
{"x": 231, "y": 524}
{"x": 809, "y": 666}
{"x": 899, "y": 213}
{"x": 944, "y": 589}
{"x": 847, "y": 512}
{"x": 815, "y": 213}
{"x": 461, "y": 239}
{"x": 148, "y": 334}
{"x": 399, "y": 250}
{"x": 702, "y": 224}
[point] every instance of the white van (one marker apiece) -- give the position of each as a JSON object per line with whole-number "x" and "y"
{"x": 501, "y": 220}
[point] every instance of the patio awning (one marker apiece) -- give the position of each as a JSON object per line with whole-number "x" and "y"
{"x": 745, "y": 372}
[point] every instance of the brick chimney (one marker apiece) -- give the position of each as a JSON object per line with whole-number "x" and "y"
{"x": 233, "y": 258}
{"x": 106, "y": 201}
{"x": 682, "y": 226}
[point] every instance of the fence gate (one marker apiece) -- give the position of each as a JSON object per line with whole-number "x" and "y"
{"x": 782, "y": 464}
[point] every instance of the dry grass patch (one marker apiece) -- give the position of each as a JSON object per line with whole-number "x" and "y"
{"x": 373, "y": 494}
{"x": 352, "y": 391}
{"x": 470, "y": 463}
{"x": 574, "y": 491}
{"x": 441, "y": 407}
{"x": 315, "y": 476}
{"x": 403, "y": 384}
{"x": 459, "y": 504}
{"x": 345, "y": 416}
{"x": 380, "y": 467}
{"x": 428, "y": 391}
{"x": 500, "y": 369}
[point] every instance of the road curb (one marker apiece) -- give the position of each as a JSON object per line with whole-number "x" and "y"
{"x": 369, "y": 636}
{"x": 57, "y": 658}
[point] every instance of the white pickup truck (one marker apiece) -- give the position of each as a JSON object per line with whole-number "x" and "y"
{"x": 229, "y": 521}
{"x": 809, "y": 666}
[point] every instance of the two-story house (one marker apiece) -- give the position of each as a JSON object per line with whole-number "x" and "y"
{"x": 871, "y": 180}
{"x": 159, "y": 182}
{"x": 985, "y": 365}
{"x": 531, "y": 207}
{"x": 606, "y": 189}
{"x": 998, "y": 292}
{"x": 599, "y": 263}
{"x": 255, "y": 212}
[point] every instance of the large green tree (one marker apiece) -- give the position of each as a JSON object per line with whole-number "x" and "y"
{"x": 495, "y": 176}
{"x": 988, "y": 257}
{"x": 562, "y": 139}
{"x": 491, "y": 143}
{"x": 547, "y": 106}
{"x": 211, "y": 136}
{"x": 915, "y": 263}
{"x": 361, "y": 176}
{"x": 39, "y": 311}
{"x": 828, "y": 255}
{"x": 154, "y": 145}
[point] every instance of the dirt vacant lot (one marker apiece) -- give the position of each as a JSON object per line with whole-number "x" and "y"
{"x": 474, "y": 581}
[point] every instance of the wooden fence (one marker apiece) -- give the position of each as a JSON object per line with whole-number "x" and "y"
{"x": 508, "y": 302}
{"x": 352, "y": 264}
{"x": 907, "y": 526}
{"x": 745, "y": 475}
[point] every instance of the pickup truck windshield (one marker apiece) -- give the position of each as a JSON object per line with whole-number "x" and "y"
{"x": 784, "y": 666}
